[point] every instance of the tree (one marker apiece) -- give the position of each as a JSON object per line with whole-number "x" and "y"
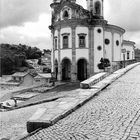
{"x": 12, "y": 57}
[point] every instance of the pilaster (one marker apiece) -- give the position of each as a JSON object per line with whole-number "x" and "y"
{"x": 91, "y": 51}
{"x": 53, "y": 52}
{"x": 112, "y": 46}
{"x": 73, "y": 66}
{"x": 59, "y": 77}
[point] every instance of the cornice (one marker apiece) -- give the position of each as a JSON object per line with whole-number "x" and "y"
{"x": 114, "y": 28}
{"x": 128, "y": 42}
{"x": 82, "y": 22}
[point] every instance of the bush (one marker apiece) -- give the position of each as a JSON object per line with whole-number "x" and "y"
{"x": 104, "y": 63}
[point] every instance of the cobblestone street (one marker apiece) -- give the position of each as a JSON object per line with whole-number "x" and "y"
{"x": 112, "y": 115}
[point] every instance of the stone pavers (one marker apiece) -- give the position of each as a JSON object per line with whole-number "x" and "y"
{"x": 112, "y": 115}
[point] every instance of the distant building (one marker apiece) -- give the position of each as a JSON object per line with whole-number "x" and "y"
{"x": 128, "y": 50}
{"x": 23, "y": 78}
{"x": 43, "y": 78}
{"x": 46, "y": 59}
{"x": 81, "y": 37}
{"x": 34, "y": 64}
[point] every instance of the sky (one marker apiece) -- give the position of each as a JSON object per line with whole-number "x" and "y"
{"x": 27, "y": 21}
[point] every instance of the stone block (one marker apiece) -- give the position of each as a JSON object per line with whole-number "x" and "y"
{"x": 93, "y": 80}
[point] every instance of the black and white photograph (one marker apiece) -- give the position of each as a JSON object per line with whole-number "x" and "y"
{"x": 69, "y": 69}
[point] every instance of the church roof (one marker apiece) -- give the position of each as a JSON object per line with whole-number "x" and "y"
{"x": 43, "y": 75}
{"x": 20, "y": 74}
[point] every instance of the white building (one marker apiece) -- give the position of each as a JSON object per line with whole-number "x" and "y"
{"x": 81, "y": 37}
{"x": 42, "y": 78}
{"x": 23, "y": 78}
{"x": 128, "y": 50}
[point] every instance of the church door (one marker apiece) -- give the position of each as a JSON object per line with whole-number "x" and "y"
{"x": 66, "y": 69}
{"x": 82, "y": 69}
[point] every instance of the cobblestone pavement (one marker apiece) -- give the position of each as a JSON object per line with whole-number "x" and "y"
{"x": 13, "y": 123}
{"x": 112, "y": 115}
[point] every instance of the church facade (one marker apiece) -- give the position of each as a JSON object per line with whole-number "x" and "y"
{"x": 81, "y": 37}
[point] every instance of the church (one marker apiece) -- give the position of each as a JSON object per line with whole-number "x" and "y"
{"x": 81, "y": 37}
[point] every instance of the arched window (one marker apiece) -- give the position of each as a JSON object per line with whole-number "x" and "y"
{"x": 98, "y": 8}
{"x": 65, "y": 14}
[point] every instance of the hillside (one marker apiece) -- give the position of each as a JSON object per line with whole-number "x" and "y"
{"x": 12, "y": 57}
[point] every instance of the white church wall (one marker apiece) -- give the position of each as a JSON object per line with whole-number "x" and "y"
{"x": 80, "y": 30}
{"x": 117, "y": 48}
{"x": 98, "y": 42}
{"x": 121, "y": 47}
{"x": 82, "y": 53}
{"x": 56, "y": 33}
{"x": 108, "y": 48}
{"x": 65, "y": 30}
{"x": 66, "y": 53}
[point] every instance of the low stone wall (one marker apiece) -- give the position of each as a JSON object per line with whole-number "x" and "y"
{"x": 93, "y": 80}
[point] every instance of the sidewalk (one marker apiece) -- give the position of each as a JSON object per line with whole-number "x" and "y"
{"x": 45, "y": 117}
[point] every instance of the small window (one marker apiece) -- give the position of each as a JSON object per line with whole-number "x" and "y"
{"x": 107, "y": 41}
{"x": 37, "y": 80}
{"x": 99, "y": 30}
{"x": 117, "y": 43}
{"x": 128, "y": 55}
{"x": 82, "y": 43}
{"x": 99, "y": 48}
{"x": 20, "y": 78}
{"x": 55, "y": 43}
{"x": 65, "y": 42}
{"x": 14, "y": 78}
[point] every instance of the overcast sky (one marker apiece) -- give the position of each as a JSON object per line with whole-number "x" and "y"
{"x": 27, "y": 21}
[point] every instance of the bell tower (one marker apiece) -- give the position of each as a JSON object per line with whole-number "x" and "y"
{"x": 96, "y": 7}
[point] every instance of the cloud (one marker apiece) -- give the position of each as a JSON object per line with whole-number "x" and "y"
{"x": 17, "y": 12}
{"x": 125, "y": 13}
{"x": 27, "y": 21}
{"x": 31, "y": 33}
{"x": 133, "y": 36}
{"x": 10, "y": 36}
